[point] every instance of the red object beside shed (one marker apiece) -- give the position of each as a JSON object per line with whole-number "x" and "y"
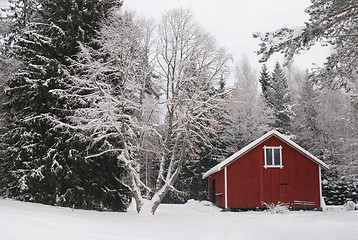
{"x": 269, "y": 170}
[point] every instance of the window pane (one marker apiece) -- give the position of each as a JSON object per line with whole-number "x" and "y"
{"x": 268, "y": 156}
{"x": 277, "y": 157}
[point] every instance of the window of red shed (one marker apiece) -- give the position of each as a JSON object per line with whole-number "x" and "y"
{"x": 273, "y": 157}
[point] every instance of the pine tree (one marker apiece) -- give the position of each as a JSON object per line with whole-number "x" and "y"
{"x": 277, "y": 97}
{"x": 45, "y": 164}
{"x": 336, "y": 190}
{"x": 265, "y": 80}
{"x": 224, "y": 120}
{"x": 331, "y": 23}
{"x": 248, "y": 116}
{"x": 306, "y": 126}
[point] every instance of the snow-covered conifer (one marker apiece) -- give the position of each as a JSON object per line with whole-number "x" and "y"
{"x": 331, "y": 23}
{"x": 265, "y": 80}
{"x": 306, "y": 126}
{"x": 278, "y": 98}
{"x": 44, "y": 164}
{"x": 249, "y": 117}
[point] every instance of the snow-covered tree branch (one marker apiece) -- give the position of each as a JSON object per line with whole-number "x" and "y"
{"x": 135, "y": 114}
{"x": 332, "y": 23}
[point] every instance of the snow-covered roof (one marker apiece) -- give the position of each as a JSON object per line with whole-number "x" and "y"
{"x": 253, "y": 144}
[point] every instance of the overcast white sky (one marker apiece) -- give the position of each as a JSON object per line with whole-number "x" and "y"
{"x": 232, "y": 22}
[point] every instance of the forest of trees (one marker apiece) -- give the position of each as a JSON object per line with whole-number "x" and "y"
{"x": 100, "y": 106}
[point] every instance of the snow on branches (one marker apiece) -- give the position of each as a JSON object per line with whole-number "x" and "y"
{"x": 143, "y": 113}
{"x": 332, "y": 23}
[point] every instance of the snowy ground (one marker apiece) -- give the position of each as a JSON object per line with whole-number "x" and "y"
{"x": 193, "y": 220}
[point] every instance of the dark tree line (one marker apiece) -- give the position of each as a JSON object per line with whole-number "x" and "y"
{"x": 42, "y": 163}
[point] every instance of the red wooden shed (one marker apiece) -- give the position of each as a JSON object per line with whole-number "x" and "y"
{"x": 271, "y": 169}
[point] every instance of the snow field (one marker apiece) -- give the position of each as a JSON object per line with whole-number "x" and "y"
{"x": 193, "y": 220}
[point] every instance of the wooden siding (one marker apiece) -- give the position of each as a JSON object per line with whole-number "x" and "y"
{"x": 219, "y": 188}
{"x": 249, "y": 183}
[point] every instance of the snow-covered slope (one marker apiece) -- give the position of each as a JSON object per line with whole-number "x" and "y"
{"x": 194, "y": 220}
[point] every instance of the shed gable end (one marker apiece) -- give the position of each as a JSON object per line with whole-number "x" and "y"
{"x": 257, "y": 142}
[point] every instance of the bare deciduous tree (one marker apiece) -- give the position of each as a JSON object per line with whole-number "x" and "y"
{"x": 133, "y": 114}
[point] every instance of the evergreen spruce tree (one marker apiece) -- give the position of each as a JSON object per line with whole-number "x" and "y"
{"x": 277, "y": 97}
{"x": 248, "y": 116}
{"x": 336, "y": 190}
{"x": 306, "y": 124}
{"x": 46, "y": 164}
{"x": 223, "y": 117}
{"x": 265, "y": 80}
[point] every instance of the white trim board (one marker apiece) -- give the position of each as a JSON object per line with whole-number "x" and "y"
{"x": 320, "y": 187}
{"x": 225, "y": 187}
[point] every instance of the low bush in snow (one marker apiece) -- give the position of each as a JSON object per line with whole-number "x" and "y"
{"x": 277, "y": 208}
{"x": 349, "y": 205}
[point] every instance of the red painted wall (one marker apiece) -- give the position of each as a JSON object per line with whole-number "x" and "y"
{"x": 219, "y": 188}
{"x": 249, "y": 183}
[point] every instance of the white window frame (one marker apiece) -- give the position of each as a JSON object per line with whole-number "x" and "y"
{"x": 273, "y": 157}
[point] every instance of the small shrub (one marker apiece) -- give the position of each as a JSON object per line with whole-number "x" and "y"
{"x": 277, "y": 208}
